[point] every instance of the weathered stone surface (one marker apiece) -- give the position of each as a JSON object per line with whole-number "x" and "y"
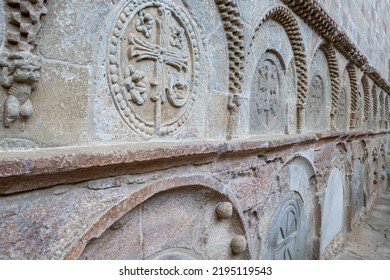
{"x": 332, "y": 209}
{"x": 175, "y": 129}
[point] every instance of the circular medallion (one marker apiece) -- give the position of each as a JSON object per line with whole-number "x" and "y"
{"x": 153, "y": 66}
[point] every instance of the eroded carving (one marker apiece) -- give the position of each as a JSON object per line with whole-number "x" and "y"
{"x": 283, "y": 16}
{"x": 267, "y": 104}
{"x": 154, "y": 65}
{"x": 284, "y": 237}
{"x": 315, "y": 103}
{"x": 341, "y": 117}
{"x": 19, "y": 65}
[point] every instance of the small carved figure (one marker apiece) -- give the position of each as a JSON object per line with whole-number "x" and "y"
{"x": 23, "y": 75}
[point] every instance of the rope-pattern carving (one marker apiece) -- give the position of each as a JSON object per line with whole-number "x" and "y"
{"x": 354, "y": 93}
{"x": 232, "y": 23}
{"x": 387, "y": 109}
{"x": 284, "y": 17}
{"x": 381, "y": 108}
{"x": 330, "y": 55}
{"x": 374, "y": 104}
{"x": 366, "y": 90}
{"x": 315, "y": 16}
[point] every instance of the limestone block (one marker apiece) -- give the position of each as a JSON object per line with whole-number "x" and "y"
{"x": 71, "y": 26}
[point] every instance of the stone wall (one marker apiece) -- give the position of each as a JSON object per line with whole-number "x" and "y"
{"x": 186, "y": 129}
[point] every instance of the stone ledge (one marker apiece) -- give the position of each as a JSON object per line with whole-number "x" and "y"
{"x": 33, "y": 169}
{"x": 28, "y": 170}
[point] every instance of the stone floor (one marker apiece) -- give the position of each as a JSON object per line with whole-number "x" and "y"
{"x": 371, "y": 239}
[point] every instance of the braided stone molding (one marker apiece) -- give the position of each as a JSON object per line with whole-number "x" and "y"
{"x": 354, "y": 93}
{"x": 374, "y": 104}
{"x": 330, "y": 55}
{"x": 232, "y": 23}
{"x": 366, "y": 89}
{"x": 316, "y": 17}
{"x": 284, "y": 17}
{"x": 19, "y": 64}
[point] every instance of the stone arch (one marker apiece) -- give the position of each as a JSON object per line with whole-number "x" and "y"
{"x": 366, "y": 90}
{"x": 330, "y": 54}
{"x": 354, "y": 95}
{"x": 117, "y": 212}
{"x": 232, "y": 23}
{"x": 296, "y": 197}
{"x": 284, "y": 17}
{"x": 374, "y": 107}
{"x": 382, "y": 116}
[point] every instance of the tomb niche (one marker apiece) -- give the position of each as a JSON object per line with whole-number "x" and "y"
{"x": 190, "y": 222}
{"x": 267, "y": 101}
{"x": 292, "y": 232}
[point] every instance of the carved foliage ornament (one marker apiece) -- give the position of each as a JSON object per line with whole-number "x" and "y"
{"x": 153, "y": 66}
{"x": 19, "y": 65}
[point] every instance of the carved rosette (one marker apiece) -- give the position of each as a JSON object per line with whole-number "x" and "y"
{"x": 153, "y": 68}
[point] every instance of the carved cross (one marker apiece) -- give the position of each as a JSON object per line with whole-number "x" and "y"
{"x": 287, "y": 236}
{"x": 159, "y": 53}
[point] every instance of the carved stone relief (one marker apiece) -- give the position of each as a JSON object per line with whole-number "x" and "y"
{"x": 285, "y": 240}
{"x": 19, "y": 65}
{"x": 342, "y": 111}
{"x": 315, "y": 106}
{"x": 185, "y": 223}
{"x": 267, "y": 106}
{"x": 154, "y": 66}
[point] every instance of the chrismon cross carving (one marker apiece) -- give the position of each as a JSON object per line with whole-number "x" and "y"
{"x": 162, "y": 84}
{"x": 286, "y": 244}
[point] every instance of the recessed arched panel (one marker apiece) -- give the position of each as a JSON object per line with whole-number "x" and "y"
{"x": 286, "y": 19}
{"x": 292, "y": 231}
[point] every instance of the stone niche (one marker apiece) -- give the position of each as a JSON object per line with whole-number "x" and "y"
{"x": 332, "y": 209}
{"x": 292, "y": 233}
{"x": 185, "y": 223}
{"x": 272, "y": 87}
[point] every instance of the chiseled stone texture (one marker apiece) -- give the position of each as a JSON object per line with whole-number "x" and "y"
{"x": 177, "y": 129}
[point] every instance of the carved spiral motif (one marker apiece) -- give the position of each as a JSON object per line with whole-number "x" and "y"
{"x": 374, "y": 103}
{"x": 354, "y": 93}
{"x": 313, "y": 14}
{"x": 330, "y": 55}
{"x": 284, "y": 17}
{"x": 366, "y": 89}
{"x": 153, "y": 69}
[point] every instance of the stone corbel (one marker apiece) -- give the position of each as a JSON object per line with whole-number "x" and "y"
{"x": 19, "y": 64}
